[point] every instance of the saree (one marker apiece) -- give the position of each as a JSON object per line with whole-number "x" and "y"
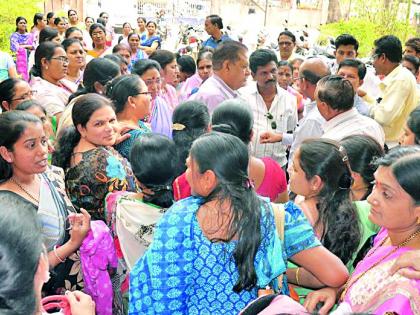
{"x": 17, "y": 39}
{"x": 52, "y": 211}
{"x": 161, "y": 117}
{"x": 376, "y": 291}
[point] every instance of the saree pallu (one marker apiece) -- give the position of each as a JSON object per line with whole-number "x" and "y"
{"x": 377, "y": 292}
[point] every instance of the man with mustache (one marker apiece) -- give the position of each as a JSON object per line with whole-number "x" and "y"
{"x": 273, "y": 108}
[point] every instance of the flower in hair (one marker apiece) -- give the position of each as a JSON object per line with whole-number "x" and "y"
{"x": 178, "y": 127}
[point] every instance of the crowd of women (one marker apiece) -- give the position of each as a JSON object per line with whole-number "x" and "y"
{"x": 141, "y": 195}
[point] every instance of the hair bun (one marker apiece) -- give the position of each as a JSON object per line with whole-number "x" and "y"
{"x": 345, "y": 182}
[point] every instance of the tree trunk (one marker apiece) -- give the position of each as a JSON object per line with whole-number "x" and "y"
{"x": 334, "y": 11}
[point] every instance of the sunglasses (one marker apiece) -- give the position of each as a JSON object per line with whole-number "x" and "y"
{"x": 273, "y": 123}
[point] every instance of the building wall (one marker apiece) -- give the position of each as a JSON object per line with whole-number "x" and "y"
{"x": 64, "y": 5}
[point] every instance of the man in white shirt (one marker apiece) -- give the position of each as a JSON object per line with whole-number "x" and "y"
{"x": 334, "y": 96}
{"x": 273, "y": 108}
{"x": 310, "y": 126}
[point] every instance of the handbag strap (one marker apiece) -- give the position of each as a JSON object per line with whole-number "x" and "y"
{"x": 279, "y": 216}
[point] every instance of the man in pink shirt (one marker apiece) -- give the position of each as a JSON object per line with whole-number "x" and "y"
{"x": 231, "y": 70}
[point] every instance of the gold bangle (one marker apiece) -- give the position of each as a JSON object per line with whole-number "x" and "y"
{"x": 297, "y": 276}
{"x": 56, "y": 255}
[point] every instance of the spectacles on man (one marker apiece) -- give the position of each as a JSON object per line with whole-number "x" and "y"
{"x": 62, "y": 59}
{"x": 143, "y": 93}
{"x": 25, "y": 96}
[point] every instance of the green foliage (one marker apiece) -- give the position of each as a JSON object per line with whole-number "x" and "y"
{"x": 366, "y": 31}
{"x": 9, "y": 11}
{"x": 372, "y": 19}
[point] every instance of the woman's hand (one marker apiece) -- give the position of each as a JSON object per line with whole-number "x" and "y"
{"x": 80, "y": 226}
{"x": 408, "y": 265}
{"x": 80, "y": 303}
{"x": 327, "y": 296}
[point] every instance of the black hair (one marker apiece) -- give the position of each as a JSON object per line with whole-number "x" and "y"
{"x": 195, "y": 117}
{"x": 283, "y": 63}
{"x": 37, "y": 17}
{"x": 336, "y": 92}
{"x": 12, "y": 126}
{"x": 71, "y": 10}
{"x": 228, "y": 50}
{"x": 215, "y": 20}
{"x": 119, "y": 47}
{"x": 390, "y": 46}
{"x": 163, "y": 57}
{"x": 289, "y": 34}
{"x": 89, "y": 17}
{"x": 413, "y": 123}
{"x": 311, "y": 76}
{"x": 18, "y": 19}
{"x": 20, "y": 251}
{"x": 71, "y": 30}
{"x": 363, "y": 151}
{"x": 121, "y": 88}
{"x": 50, "y": 15}
{"x": 100, "y": 70}
{"x": 102, "y": 13}
{"x": 95, "y": 26}
{"x": 413, "y": 60}
{"x": 204, "y": 54}
{"x": 227, "y": 156}
{"x": 143, "y": 65}
{"x": 59, "y": 19}
{"x": 413, "y": 43}
{"x": 186, "y": 64}
{"x": 70, "y": 41}
{"x": 235, "y": 118}
{"x": 354, "y": 63}
{"x": 341, "y": 227}
{"x": 126, "y": 23}
{"x": 405, "y": 165}
{"x": 345, "y": 40}
{"x": 101, "y": 21}
{"x": 118, "y": 59}
{"x": 82, "y": 110}
{"x": 152, "y": 22}
{"x": 28, "y": 104}
{"x": 260, "y": 58}
{"x": 44, "y": 50}
{"x": 131, "y": 35}
{"x": 153, "y": 163}
{"x": 47, "y": 34}
{"x": 141, "y": 18}
{"x": 7, "y": 90}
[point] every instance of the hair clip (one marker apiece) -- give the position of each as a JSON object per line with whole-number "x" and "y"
{"x": 249, "y": 184}
{"x": 178, "y": 127}
{"x": 343, "y": 152}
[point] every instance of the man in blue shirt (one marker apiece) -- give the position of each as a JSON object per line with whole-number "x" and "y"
{"x": 213, "y": 26}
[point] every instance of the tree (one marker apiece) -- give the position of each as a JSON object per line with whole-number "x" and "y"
{"x": 9, "y": 11}
{"x": 334, "y": 11}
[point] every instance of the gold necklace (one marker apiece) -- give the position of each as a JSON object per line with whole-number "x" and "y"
{"x": 349, "y": 284}
{"x": 24, "y": 190}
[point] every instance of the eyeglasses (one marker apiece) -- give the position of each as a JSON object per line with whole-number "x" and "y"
{"x": 271, "y": 117}
{"x": 25, "y": 96}
{"x": 143, "y": 93}
{"x": 62, "y": 59}
{"x": 150, "y": 81}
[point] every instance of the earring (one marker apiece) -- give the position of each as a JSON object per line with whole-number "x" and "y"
{"x": 418, "y": 220}
{"x": 46, "y": 67}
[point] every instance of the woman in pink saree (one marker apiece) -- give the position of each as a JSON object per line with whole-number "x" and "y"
{"x": 395, "y": 206}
